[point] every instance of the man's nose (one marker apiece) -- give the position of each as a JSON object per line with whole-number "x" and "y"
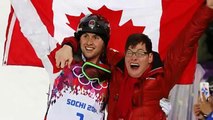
{"x": 90, "y": 40}
{"x": 134, "y": 56}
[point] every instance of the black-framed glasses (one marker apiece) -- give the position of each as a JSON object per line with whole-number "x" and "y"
{"x": 138, "y": 53}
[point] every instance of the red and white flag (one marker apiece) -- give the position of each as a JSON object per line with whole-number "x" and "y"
{"x": 162, "y": 20}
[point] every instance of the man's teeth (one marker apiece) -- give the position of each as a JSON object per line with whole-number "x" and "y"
{"x": 89, "y": 48}
{"x": 134, "y": 65}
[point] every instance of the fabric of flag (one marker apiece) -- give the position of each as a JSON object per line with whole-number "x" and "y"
{"x": 162, "y": 20}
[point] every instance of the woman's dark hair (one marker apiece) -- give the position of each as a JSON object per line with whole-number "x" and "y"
{"x": 137, "y": 38}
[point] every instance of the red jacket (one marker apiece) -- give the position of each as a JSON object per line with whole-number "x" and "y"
{"x": 138, "y": 99}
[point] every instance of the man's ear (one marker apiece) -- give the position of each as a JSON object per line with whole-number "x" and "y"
{"x": 150, "y": 55}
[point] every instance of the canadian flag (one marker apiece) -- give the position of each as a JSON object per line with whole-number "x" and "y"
{"x": 162, "y": 20}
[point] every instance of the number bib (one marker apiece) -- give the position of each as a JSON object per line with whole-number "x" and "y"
{"x": 73, "y": 97}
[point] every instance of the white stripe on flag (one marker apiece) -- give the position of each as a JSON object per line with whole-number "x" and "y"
{"x": 10, "y": 32}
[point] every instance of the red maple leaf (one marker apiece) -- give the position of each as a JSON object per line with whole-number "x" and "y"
{"x": 119, "y": 34}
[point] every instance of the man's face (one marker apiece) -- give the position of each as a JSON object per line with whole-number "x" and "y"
{"x": 137, "y": 60}
{"x": 92, "y": 46}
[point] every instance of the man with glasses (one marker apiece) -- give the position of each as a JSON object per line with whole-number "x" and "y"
{"x": 140, "y": 90}
{"x": 146, "y": 78}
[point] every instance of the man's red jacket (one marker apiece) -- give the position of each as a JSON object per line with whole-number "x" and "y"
{"x": 138, "y": 99}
